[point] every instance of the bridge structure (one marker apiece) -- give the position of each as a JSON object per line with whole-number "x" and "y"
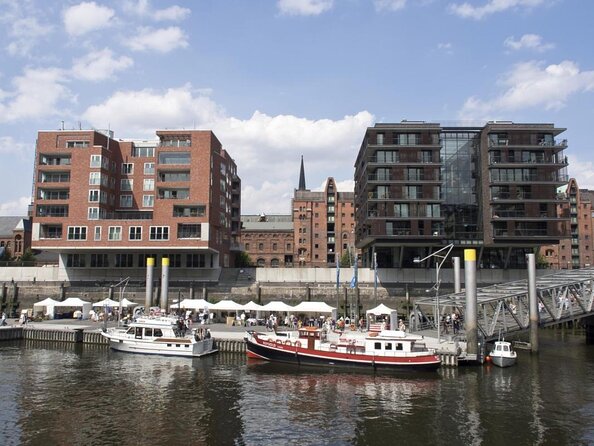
{"x": 564, "y": 296}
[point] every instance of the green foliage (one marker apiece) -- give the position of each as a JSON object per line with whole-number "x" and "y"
{"x": 345, "y": 260}
{"x": 243, "y": 260}
{"x": 28, "y": 256}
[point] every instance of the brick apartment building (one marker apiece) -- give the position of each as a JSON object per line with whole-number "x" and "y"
{"x": 319, "y": 230}
{"x": 106, "y": 204}
{"x": 420, "y": 186}
{"x": 577, "y": 250}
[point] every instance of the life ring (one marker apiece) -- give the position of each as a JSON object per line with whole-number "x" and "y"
{"x": 279, "y": 342}
{"x": 297, "y": 344}
{"x": 287, "y": 342}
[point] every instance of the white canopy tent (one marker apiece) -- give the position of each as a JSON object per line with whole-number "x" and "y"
{"x": 128, "y": 303}
{"x": 252, "y": 306}
{"x": 380, "y": 310}
{"x": 226, "y": 305}
{"x": 49, "y": 305}
{"x": 107, "y": 303}
{"x": 277, "y": 306}
{"x": 76, "y": 302}
{"x": 192, "y": 304}
{"x": 313, "y": 307}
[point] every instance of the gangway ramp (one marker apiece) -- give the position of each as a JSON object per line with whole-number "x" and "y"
{"x": 504, "y": 308}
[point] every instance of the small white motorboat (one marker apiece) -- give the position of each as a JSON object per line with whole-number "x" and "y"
{"x": 161, "y": 336}
{"x": 502, "y": 354}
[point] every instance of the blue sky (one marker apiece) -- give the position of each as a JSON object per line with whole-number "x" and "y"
{"x": 277, "y": 79}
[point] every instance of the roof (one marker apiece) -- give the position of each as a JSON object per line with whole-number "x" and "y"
{"x": 267, "y": 226}
{"x": 9, "y": 224}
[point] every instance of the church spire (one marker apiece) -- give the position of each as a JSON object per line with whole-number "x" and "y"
{"x": 302, "y": 176}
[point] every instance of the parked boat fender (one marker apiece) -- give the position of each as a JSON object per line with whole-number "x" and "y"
{"x": 297, "y": 344}
{"x": 287, "y": 342}
{"x": 279, "y": 342}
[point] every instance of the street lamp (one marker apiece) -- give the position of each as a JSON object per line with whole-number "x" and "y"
{"x": 441, "y": 256}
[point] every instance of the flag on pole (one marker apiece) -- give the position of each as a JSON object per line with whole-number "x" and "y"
{"x": 375, "y": 270}
{"x": 355, "y": 279}
{"x": 337, "y": 274}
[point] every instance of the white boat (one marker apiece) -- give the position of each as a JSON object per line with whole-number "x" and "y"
{"x": 160, "y": 336}
{"x": 502, "y": 354}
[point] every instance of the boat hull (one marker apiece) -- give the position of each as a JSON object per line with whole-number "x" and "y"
{"x": 173, "y": 348}
{"x": 302, "y": 356}
{"x": 503, "y": 361}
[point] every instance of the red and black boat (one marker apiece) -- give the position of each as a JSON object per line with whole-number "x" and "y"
{"x": 388, "y": 349}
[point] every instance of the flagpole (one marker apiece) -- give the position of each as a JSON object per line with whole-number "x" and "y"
{"x": 375, "y": 277}
{"x": 337, "y": 286}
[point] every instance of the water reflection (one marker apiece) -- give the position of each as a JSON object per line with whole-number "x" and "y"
{"x": 66, "y": 394}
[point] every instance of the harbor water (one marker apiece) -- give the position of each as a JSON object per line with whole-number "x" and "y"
{"x": 70, "y": 394}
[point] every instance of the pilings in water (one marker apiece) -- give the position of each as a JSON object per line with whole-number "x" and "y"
{"x": 164, "y": 281}
{"x": 148, "y": 296}
{"x": 230, "y": 345}
{"x": 533, "y": 303}
{"x": 470, "y": 321}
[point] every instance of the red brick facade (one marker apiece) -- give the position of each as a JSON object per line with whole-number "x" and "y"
{"x": 97, "y": 198}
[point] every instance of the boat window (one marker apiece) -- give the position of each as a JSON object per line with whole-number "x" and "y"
{"x": 388, "y": 346}
{"x": 130, "y": 331}
{"x": 158, "y": 333}
{"x": 148, "y": 332}
{"x": 399, "y": 346}
{"x": 138, "y": 334}
{"x": 378, "y": 346}
{"x": 498, "y": 348}
{"x": 505, "y": 348}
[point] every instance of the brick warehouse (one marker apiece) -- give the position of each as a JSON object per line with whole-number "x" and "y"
{"x": 106, "y": 204}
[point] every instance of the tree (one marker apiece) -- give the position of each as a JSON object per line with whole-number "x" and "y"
{"x": 243, "y": 260}
{"x": 345, "y": 260}
{"x": 28, "y": 256}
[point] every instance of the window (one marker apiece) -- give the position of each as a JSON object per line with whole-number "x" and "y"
{"x": 188, "y": 231}
{"x": 148, "y": 184}
{"x": 148, "y": 201}
{"x": 127, "y": 168}
{"x": 125, "y": 201}
{"x": 401, "y": 210}
{"x": 275, "y": 246}
{"x": 139, "y": 152}
{"x": 115, "y": 233}
{"x": 159, "y": 233}
{"x": 95, "y": 178}
{"x": 99, "y": 261}
{"x": 260, "y": 246}
{"x": 93, "y": 213}
{"x": 126, "y": 184}
{"x": 380, "y": 139}
{"x": 75, "y": 260}
{"x": 124, "y": 260}
{"x": 135, "y": 233}
{"x": 247, "y": 246}
{"x": 174, "y": 260}
{"x": 97, "y": 235}
{"x": 408, "y": 139}
{"x": 95, "y": 161}
{"x": 149, "y": 168}
{"x": 94, "y": 196}
{"x": 77, "y": 144}
{"x": 195, "y": 260}
{"x": 77, "y": 232}
{"x": 174, "y": 158}
{"x": 189, "y": 211}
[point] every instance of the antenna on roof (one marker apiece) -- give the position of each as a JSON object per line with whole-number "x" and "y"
{"x": 62, "y": 125}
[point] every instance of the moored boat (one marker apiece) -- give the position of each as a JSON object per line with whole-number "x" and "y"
{"x": 388, "y": 349}
{"x": 160, "y": 336}
{"x": 502, "y": 354}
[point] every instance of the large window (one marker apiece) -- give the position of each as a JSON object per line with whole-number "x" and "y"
{"x": 148, "y": 184}
{"x": 124, "y": 260}
{"x": 95, "y": 161}
{"x": 75, "y": 260}
{"x": 135, "y": 233}
{"x": 93, "y": 213}
{"x": 126, "y": 201}
{"x": 115, "y": 233}
{"x": 188, "y": 230}
{"x": 126, "y": 184}
{"x": 149, "y": 168}
{"x": 401, "y": 210}
{"x": 148, "y": 201}
{"x": 139, "y": 152}
{"x": 189, "y": 211}
{"x": 127, "y": 168}
{"x": 408, "y": 139}
{"x": 77, "y": 232}
{"x": 174, "y": 158}
{"x": 77, "y": 144}
{"x": 99, "y": 261}
{"x": 159, "y": 233}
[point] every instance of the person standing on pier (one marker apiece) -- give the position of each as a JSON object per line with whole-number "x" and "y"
{"x": 3, "y": 320}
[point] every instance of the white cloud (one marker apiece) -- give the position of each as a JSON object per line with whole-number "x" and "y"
{"x": 582, "y": 171}
{"x": 446, "y": 47}
{"x": 99, "y": 65}
{"x": 468, "y": 11}
{"x": 16, "y": 207}
{"x": 161, "y": 40}
{"x": 528, "y": 41}
{"x": 260, "y": 143}
{"x": 26, "y": 33}
{"x": 86, "y": 17}
{"x": 142, "y": 8}
{"x": 304, "y": 7}
{"x": 36, "y": 94}
{"x": 389, "y": 5}
{"x": 9, "y": 146}
{"x": 531, "y": 84}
